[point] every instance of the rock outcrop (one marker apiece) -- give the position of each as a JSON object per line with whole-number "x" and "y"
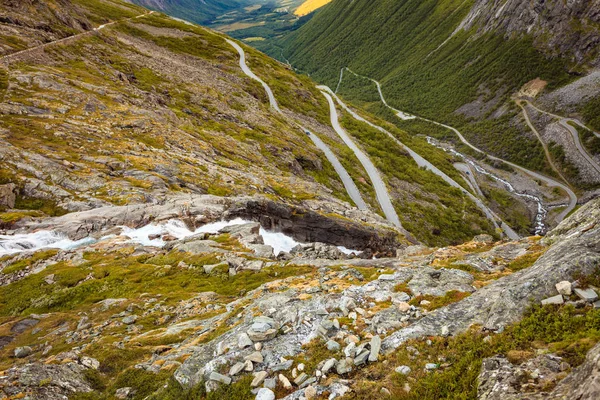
{"x": 550, "y": 22}
{"x": 315, "y": 222}
{"x": 576, "y": 250}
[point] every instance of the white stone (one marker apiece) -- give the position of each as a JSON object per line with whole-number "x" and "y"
{"x": 588, "y": 295}
{"x": 285, "y": 381}
{"x": 310, "y": 392}
{"x": 244, "y": 341}
{"x": 259, "y": 378}
{"x": 375, "y": 348}
{"x": 403, "y": 369}
{"x": 558, "y": 299}
{"x": 329, "y": 364}
{"x": 265, "y": 394}
{"x": 564, "y": 288}
{"x": 90, "y": 362}
{"x": 236, "y": 369}
{"x": 256, "y": 357}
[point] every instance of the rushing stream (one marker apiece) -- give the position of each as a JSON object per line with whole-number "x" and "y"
{"x": 149, "y": 235}
{"x": 542, "y": 212}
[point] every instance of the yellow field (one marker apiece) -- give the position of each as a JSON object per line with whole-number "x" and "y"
{"x": 309, "y": 6}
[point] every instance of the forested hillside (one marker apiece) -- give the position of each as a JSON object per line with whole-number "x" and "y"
{"x": 454, "y": 60}
{"x": 199, "y": 11}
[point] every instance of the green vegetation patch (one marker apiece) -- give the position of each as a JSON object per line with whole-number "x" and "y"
{"x": 591, "y": 113}
{"x": 103, "y": 11}
{"x": 118, "y": 275}
{"x": 566, "y": 331}
{"x": 29, "y": 261}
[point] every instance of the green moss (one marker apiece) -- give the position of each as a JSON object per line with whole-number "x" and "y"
{"x": 29, "y": 261}
{"x": 119, "y": 275}
{"x": 3, "y": 81}
{"x": 203, "y": 45}
{"x": 48, "y": 207}
{"x": 524, "y": 261}
{"x": 147, "y": 79}
{"x": 14, "y": 42}
{"x": 403, "y": 287}
{"x": 7, "y": 219}
{"x": 154, "y": 141}
{"x": 285, "y": 192}
{"x": 239, "y": 390}
{"x": 315, "y": 352}
{"x": 450, "y": 297}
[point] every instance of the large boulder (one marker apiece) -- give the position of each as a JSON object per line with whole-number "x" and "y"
{"x": 583, "y": 382}
{"x": 8, "y": 195}
{"x": 45, "y": 381}
{"x": 500, "y": 379}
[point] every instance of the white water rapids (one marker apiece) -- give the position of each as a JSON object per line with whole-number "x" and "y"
{"x": 11, "y": 244}
{"x": 542, "y": 212}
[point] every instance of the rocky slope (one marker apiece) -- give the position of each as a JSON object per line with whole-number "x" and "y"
{"x": 222, "y": 315}
{"x": 560, "y": 28}
{"x": 142, "y": 105}
{"x": 167, "y": 234}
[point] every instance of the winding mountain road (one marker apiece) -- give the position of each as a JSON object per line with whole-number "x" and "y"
{"x": 564, "y": 122}
{"x": 422, "y": 162}
{"x": 549, "y": 181}
{"x": 542, "y": 142}
{"x": 347, "y": 180}
{"x": 8, "y": 57}
{"x": 381, "y": 192}
{"x": 468, "y": 172}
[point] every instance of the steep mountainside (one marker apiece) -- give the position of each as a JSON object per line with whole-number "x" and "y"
{"x": 145, "y": 105}
{"x": 199, "y": 11}
{"x": 183, "y": 217}
{"x": 460, "y": 62}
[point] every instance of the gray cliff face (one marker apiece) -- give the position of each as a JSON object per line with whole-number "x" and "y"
{"x": 558, "y": 27}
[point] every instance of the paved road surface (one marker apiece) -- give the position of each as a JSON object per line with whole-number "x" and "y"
{"x": 19, "y": 53}
{"x": 564, "y": 122}
{"x": 422, "y": 162}
{"x": 349, "y": 184}
{"x": 544, "y": 145}
{"x": 381, "y": 192}
{"x": 549, "y": 181}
